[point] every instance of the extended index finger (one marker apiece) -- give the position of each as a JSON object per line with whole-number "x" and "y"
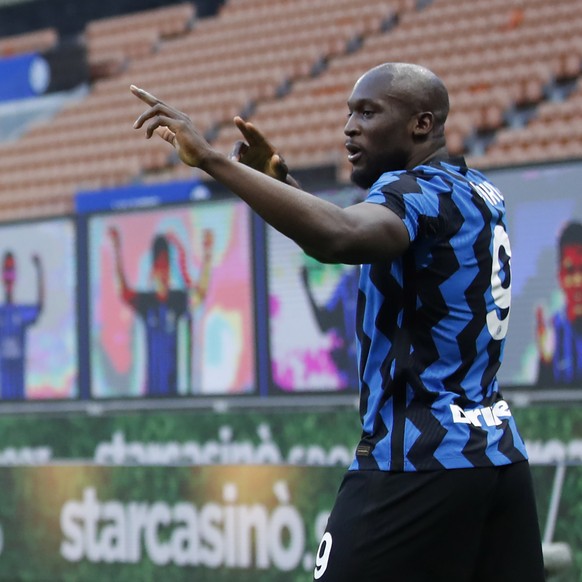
{"x": 144, "y": 95}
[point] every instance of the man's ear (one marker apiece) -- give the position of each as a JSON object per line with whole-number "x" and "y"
{"x": 423, "y": 124}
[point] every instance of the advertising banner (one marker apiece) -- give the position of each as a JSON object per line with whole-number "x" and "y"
{"x": 85, "y": 523}
{"x": 553, "y": 434}
{"x": 325, "y": 438}
{"x": 200, "y": 496}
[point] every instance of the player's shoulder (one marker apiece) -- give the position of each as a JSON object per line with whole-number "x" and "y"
{"x": 400, "y": 182}
{"x": 442, "y": 170}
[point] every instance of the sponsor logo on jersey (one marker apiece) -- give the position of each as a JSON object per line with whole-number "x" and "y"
{"x": 486, "y": 415}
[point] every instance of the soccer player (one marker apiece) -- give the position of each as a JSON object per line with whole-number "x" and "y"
{"x": 163, "y": 307}
{"x": 440, "y": 488}
{"x": 560, "y": 344}
{"x": 14, "y": 321}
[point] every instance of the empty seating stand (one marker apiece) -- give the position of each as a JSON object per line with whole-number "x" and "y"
{"x": 494, "y": 55}
{"x": 291, "y": 70}
{"x": 555, "y": 133}
{"x": 111, "y": 42}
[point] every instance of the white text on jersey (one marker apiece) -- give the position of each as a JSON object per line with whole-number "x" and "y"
{"x": 488, "y": 192}
{"x": 490, "y": 415}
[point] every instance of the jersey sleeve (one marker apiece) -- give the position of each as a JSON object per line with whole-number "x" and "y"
{"x": 417, "y": 205}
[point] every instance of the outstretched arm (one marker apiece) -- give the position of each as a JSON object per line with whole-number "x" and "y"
{"x": 40, "y": 281}
{"x": 127, "y": 293}
{"x": 363, "y": 233}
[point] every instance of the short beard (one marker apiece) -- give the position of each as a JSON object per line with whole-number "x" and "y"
{"x": 362, "y": 179}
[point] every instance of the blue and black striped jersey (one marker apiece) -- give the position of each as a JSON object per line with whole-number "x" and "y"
{"x": 161, "y": 320}
{"x": 431, "y": 327}
{"x": 14, "y": 321}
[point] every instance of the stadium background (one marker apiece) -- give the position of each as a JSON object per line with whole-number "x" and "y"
{"x": 231, "y": 477}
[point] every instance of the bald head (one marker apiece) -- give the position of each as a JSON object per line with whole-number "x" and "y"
{"x": 396, "y": 120}
{"x": 415, "y": 85}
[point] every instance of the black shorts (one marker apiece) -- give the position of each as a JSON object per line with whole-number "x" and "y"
{"x": 461, "y": 525}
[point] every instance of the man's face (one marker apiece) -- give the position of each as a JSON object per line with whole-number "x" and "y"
{"x": 161, "y": 274}
{"x": 378, "y": 129}
{"x": 9, "y": 273}
{"x": 571, "y": 280}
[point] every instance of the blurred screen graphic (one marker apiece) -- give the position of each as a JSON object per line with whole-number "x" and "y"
{"x": 171, "y": 298}
{"x": 38, "y": 311}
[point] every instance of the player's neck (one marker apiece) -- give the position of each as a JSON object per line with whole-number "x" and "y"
{"x": 424, "y": 157}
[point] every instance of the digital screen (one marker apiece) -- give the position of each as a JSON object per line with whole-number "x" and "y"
{"x": 311, "y": 304}
{"x": 171, "y": 296}
{"x": 172, "y": 301}
{"x": 312, "y": 310}
{"x": 38, "y": 317}
{"x": 544, "y": 211}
